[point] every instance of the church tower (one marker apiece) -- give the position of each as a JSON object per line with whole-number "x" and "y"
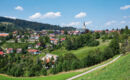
{"x": 84, "y": 26}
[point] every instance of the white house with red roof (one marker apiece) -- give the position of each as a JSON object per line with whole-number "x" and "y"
{"x": 48, "y": 57}
{"x": 38, "y": 45}
{"x": 54, "y": 40}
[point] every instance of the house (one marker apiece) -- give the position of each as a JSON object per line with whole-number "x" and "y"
{"x": 70, "y": 32}
{"x": 30, "y": 46}
{"x": 35, "y": 37}
{"x": 38, "y": 45}
{"x": 99, "y": 31}
{"x": 9, "y": 50}
{"x": 62, "y": 39}
{"x": 43, "y": 32}
{"x": 48, "y": 57}
{"x": 76, "y": 32}
{"x": 33, "y": 51}
{"x": 54, "y": 41}
{"x": 14, "y": 33}
{"x": 4, "y": 34}
{"x": 62, "y": 32}
{"x": 18, "y": 50}
{"x": 1, "y": 53}
{"x": 51, "y": 35}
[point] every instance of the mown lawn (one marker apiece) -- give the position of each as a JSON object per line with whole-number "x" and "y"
{"x": 60, "y": 76}
{"x": 119, "y": 70}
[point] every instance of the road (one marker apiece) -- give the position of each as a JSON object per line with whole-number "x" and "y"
{"x": 74, "y": 77}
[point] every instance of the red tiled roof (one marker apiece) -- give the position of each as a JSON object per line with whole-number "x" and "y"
{"x": 1, "y": 52}
{"x": 4, "y": 34}
{"x": 97, "y": 31}
{"x": 62, "y": 39}
{"x": 39, "y": 44}
{"x": 32, "y": 50}
{"x": 14, "y": 32}
{"x": 10, "y": 49}
{"x": 48, "y": 60}
{"x": 52, "y": 39}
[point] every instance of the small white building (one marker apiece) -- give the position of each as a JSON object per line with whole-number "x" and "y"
{"x": 49, "y": 56}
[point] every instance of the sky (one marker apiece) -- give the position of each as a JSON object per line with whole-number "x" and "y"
{"x": 97, "y": 14}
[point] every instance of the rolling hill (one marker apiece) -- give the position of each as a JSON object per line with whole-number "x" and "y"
{"x": 60, "y": 76}
{"x": 23, "y": 24}
{"x": 119, "y": 70}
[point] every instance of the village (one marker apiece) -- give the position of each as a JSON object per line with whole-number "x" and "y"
{"x": 64, "y": 40}
{"x": 35, "y": 46}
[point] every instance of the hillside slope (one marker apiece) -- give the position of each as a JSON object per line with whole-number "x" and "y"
{"x": 120, "y": 70}
{"x": 18, "y": 23}
{"x": 60, "y": 76}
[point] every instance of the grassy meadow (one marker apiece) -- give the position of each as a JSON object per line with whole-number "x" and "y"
{"x": 119, "y": 70}
{"x": 81, "y": 52}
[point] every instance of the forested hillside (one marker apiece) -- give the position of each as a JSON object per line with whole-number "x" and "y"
{"x": 18, "y": 23}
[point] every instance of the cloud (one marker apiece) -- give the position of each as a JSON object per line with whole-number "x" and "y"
{"x": 19, "y": 8}
{"x": 123, "y": 22}
{"x": 80, "y": 15}
{"x": 126, "y": 17}
{"x": 10, "y": 17}
{"x": 125, "y": 7}
{"x": 35, "y": 16}
{"x": 110, "y": 23}
{"x": 38, "y": 15}
{"x": 52, "y": 15}
{"x": 72, "y": 24}
{"x": 88, "y": 22}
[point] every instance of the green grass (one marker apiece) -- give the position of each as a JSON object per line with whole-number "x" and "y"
{"x": 52, "y": 77}
{"x": 15, "y": 45}
{"x": 119, "y": 70}
{"x": 61, "y": 51}
{"x": 60, "y": 76}
{"x": 81, "y": 52}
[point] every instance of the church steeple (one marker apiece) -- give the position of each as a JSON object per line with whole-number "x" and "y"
{"x": 84, "y": 26}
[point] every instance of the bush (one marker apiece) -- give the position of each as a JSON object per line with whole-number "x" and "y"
{"x": 44, "y": 71}
{"x": 114, "y": 45}
{"x": 93, "y": 43}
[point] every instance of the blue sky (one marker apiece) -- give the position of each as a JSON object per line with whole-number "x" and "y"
{"x": 97, "y": 14}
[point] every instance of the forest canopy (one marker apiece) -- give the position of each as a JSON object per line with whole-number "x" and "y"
{"x": 23, "y": 24}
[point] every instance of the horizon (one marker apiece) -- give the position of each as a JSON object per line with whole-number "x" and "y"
{"x": 98, "y": 15}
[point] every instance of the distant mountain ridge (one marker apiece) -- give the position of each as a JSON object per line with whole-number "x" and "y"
{"x": 19, "y": 23}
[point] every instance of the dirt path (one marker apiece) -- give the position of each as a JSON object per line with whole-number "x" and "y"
{"x": 74, "y": 77}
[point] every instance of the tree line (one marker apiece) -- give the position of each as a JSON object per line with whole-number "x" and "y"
{"x": 23, "y": 24}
